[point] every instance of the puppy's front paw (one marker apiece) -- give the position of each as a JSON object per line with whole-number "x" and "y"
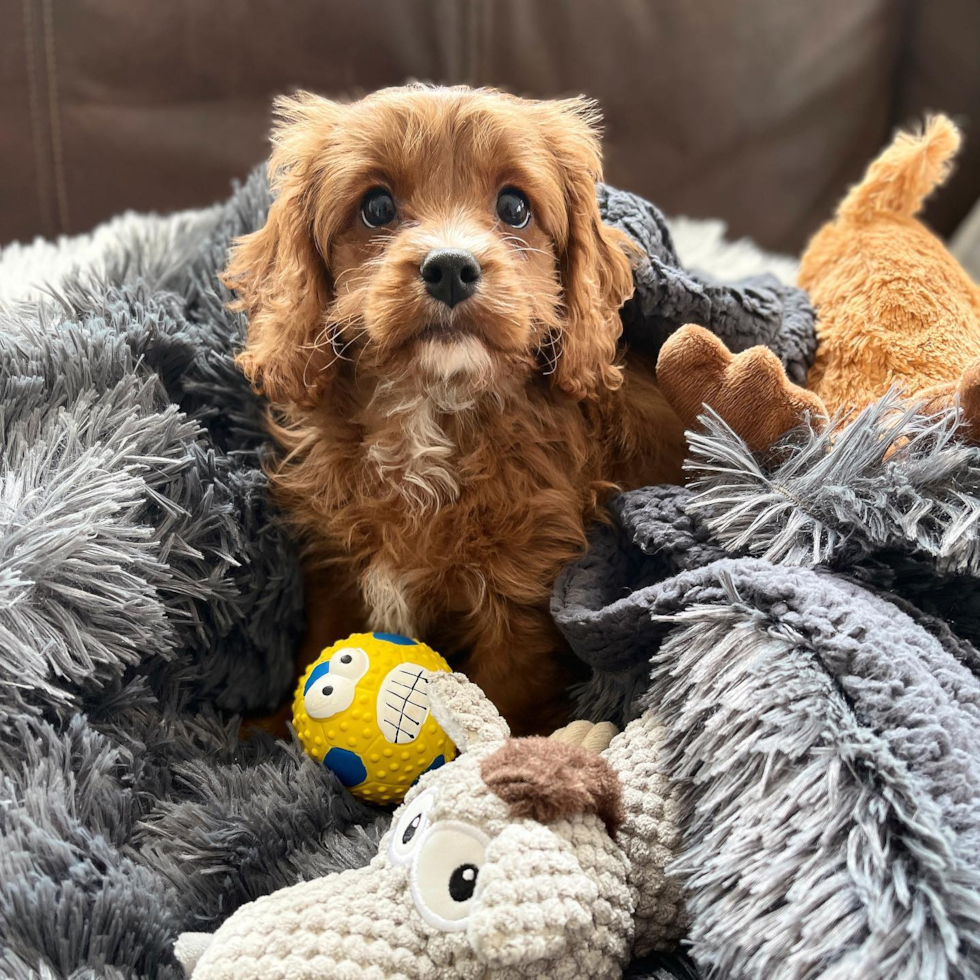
{"x": 750, "y": 391}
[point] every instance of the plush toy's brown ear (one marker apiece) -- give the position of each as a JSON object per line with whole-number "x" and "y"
{"x": 279, "y": 272}
{"x": 545, "y": 780}
{"x": 594, "y": 265}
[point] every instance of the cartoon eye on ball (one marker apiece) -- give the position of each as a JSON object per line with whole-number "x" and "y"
{"x": 331, "y": 685}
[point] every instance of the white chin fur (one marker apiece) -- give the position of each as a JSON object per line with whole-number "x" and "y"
{"x": 461, "y": 357}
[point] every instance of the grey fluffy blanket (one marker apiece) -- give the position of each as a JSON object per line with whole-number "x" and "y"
{"x": 822, "y": 699}
{"x": 148, "y": 596}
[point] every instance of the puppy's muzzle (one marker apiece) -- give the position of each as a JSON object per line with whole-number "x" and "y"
{"x": 450, "y": 275}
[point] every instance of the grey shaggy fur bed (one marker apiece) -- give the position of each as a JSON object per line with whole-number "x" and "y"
{"x": 148, "y": 595}
{"x": 807, "y": 627}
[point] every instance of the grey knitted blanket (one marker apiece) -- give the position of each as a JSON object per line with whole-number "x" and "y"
{"x": 148, "y": 596}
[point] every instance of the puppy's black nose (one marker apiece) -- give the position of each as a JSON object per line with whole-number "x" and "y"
{"x": 450, "y": 274}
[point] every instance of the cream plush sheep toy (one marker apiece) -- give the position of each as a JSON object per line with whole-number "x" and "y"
{"x": 526, "y": 857}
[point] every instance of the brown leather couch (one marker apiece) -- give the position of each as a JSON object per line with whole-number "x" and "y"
{"x": 757, "y": 111}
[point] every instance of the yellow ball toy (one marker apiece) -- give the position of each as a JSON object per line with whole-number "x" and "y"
{"x": 362, "y": 710}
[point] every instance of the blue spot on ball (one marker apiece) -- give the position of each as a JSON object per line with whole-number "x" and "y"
{"x": 318, "y": 671}
{"x": 346, "y": 765}
{"x": 402, "y": 641}
{"x": 437, "y": 763}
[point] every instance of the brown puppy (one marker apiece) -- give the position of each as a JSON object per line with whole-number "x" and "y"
{"x": 432, "y": 311}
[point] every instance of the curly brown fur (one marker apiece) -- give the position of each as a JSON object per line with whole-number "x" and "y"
{"x": 441, "y": 464}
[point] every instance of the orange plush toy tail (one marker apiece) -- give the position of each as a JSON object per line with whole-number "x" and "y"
{"x": 906, "y": 173}
{"x": 894, "y": 309}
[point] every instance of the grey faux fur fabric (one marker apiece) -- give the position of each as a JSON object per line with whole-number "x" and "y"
{"x": 757, "y": 310}
{"x": 148, "y": 595}
{"x": 823, "y": 705}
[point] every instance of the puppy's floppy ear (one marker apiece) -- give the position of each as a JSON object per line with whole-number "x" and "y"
{"x": 594, "y": 264}
{"x": 278, "y": 272}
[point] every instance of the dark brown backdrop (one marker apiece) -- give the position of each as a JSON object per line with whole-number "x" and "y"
{"x": 757, "y": 111}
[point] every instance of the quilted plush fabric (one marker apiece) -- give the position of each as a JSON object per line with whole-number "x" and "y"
{"x": 651, "y": 833}
{"x": 755, "y": 310}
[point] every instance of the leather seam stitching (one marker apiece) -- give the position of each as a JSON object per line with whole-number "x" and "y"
{"x": 34, "y": 105}
{"x": 57, "y": 146}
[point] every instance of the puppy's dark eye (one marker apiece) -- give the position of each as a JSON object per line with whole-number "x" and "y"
{"x": 377, "y": 208}
{"x": 512, "y": 208}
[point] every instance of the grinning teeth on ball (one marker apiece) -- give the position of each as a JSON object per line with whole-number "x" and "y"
{"x": 403, "y": 703}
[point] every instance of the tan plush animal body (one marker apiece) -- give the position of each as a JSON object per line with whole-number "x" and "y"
{"x": 895, "y": 310}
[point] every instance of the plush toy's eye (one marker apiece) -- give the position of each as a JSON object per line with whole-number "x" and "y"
{"x": 445, "y": 874}
{"x": 513, "y": 208}
{"x": 409, "y": 832}
{"x": 462, "y": 882}
{"x": 378, "y": 208}
{"x": 409, "y": 827}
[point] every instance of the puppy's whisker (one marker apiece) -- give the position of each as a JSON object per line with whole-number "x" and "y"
{"x": 553, "y": 345}
{"x": 339, "y": 356}
{"x": 521, "y": 246}
{"x": 327, "y": 336}
{"x": 316, "y": 343}
{"x": 330, "y": 334}
{"x": 351, "y": 340}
